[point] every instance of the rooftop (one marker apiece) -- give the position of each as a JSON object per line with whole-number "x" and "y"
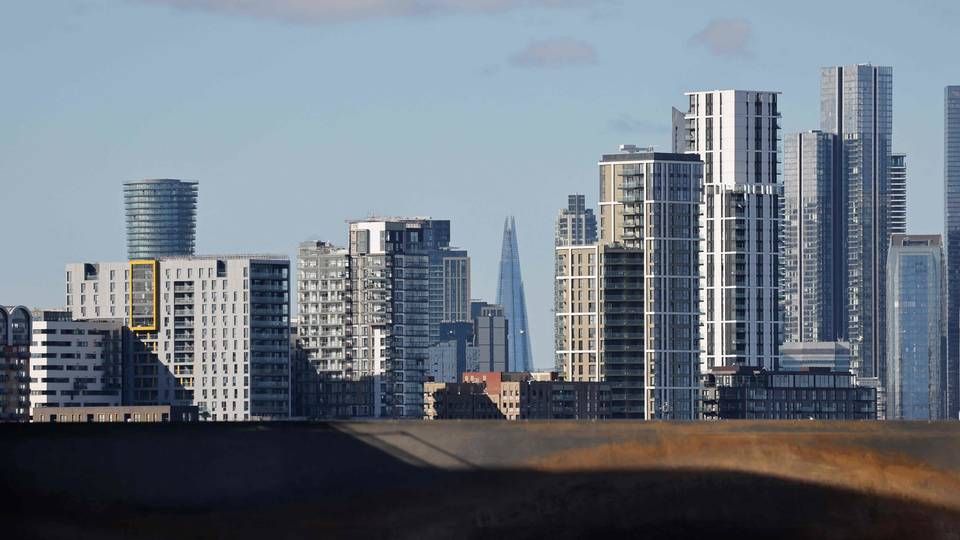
{"x": 648, "y": 156}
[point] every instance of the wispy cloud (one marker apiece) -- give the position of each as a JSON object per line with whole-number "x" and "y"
{"x": 725, "y": 37}
{"x": 333, "y": 11}
{"x": 555, "y": 52}
{"x": 626, "y": 123}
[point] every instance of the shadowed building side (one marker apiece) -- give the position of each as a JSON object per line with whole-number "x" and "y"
{"x": 951, "y": 241}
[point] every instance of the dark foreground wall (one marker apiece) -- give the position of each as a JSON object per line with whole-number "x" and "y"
{"x": 481, "y": 479}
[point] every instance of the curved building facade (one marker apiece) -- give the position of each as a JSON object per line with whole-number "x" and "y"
{"x": 161, "y": 218}
{"x": 15, "y": 335}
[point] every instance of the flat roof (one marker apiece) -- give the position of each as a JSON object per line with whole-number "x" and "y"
{"x": 648, "y": 156}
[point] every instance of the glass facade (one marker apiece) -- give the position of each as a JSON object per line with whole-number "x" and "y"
{"x": 951, "y": 228}
{"x": 914, "y": 386}
{"x": 510, "y": 295}
{"x": 161, "y": 218}
{"x": 808, "y": 251}
{"x": 856, "y": 104}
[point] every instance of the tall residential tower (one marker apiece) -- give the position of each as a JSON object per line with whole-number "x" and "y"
{"x": 736, "y": 134}
{"x": 856, "y": 104}
{"x": 161, "y": 218}
{"x": 811, "y": 269}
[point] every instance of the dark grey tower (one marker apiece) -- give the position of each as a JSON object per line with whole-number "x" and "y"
{"x": 161, "y": 218}
{"x": 951, "y": 229}
{"x": 510, "y": 296}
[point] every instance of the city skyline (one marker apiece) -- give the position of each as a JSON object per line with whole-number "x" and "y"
{"x": 300, "y": 137}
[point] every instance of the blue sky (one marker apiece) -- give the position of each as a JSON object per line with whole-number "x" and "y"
{"x": 295, "y": 115}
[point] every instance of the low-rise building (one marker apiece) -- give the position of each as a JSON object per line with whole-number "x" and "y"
{"x": 742, "y": 392}
{"x": 516, "y": 396}
{"x": 833, "y": 355}
{"x": 465, "y": 400}
{"x": 132, "y": 413}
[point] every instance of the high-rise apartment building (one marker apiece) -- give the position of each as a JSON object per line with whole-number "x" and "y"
{"x": 627, "y": 310}
{"x": 915, "y": 388}
{"x": 576, "y": 224}
{"x": 736, "y": 134}
{"x": 450, "y": 288}
{"x": 856, "y": 104}
{"x": 678, "y": 131}
{"x": 391, "y": 297}
{"x": 210, "y": 331}
{"x": 373, "y": 311}
{"x": 161, "y": 218}
{"x": 811, "y": 269}
{"x": 898, "y": 194}
{"x": 324, "y": 304}
{"x": 15, "y": 325}
{"x": 649, "y": 280}
{"x": 577, "y": 312}
{"x": 510, "y": 295}
{"x": 575, "y": 232}
{"x": 76, "y": 363}
{"x": 951, "y": 241}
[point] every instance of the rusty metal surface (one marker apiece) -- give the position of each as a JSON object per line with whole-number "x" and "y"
{"x": 482, "y": 479}
{"x": 908, "y": 459}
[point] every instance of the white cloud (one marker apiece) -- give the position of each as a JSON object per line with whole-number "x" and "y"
{"x": 555, "y": 52}
{"x": 725, "y": 37}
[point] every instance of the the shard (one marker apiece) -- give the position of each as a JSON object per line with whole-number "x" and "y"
{"x": 510, "y": 296}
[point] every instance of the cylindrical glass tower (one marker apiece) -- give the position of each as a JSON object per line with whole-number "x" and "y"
{"x": 161, "y": 218}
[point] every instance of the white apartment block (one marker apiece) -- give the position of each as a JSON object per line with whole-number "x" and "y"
{"x": 736, "y": 133}
{"x": 209, "y": 331}
{"x": 75, "y": 363}
{"x": 324, "y": 302}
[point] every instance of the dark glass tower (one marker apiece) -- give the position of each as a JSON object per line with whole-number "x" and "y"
{"x": 856, "y": 104}
{"x": 510, "y": 296}
{"x": 951, "y": 229}
{"x": 161, "y": 218}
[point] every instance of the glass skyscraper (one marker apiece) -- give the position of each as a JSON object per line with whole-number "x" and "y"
{"x": 914, "y": 383}
{"x": 951, "y": 229}
{"x": 856, "y": 104}
{"x": 510, "y": 296}
{"x": 809, "y": 296}
{"x": 161, "y": 218}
